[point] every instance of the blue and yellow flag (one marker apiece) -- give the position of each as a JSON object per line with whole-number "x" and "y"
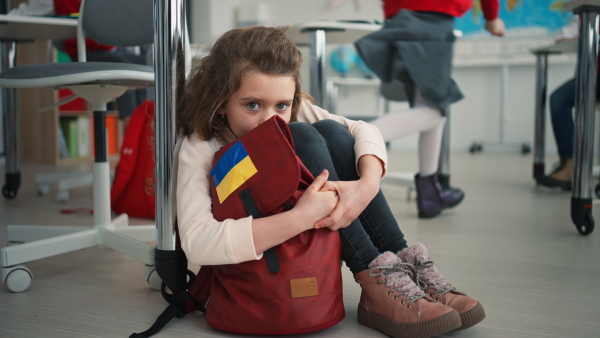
{"x": 233, "y": 169}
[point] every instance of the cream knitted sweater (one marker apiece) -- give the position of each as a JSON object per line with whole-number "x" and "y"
{"x": 206, "y": 241}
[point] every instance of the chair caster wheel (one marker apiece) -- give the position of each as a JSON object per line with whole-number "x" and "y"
{"x": 152, "y": 277}
{"x": 11, "y": 187}
{"x": 43, "y": 189}
{"x": 8, "y": 192}
{"x": 62, "y": 196}
{"x": 588, "y": 226}
{"x": 17, "y": 278}
{"x": 581, "y": 215}
{"x": 476, "y": 148}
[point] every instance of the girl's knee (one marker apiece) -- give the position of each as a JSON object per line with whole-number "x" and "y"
{"x": 326, "y": 134}
{"x": 330, "y": 127}
{"x": 305, "y": 134}
{"x": 303, "y": 131}
{"x": 335, "y": 132}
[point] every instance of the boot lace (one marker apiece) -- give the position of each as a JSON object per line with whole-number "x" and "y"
{"x": 411, "y": 294}
{"x": 437, "y": 282}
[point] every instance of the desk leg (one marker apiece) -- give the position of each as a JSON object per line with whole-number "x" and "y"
{"x": 585, "y": 90}
{"x": 169, "y": 69}
{"x": 317, "y": 66}
{"x": 539, "y": 136}
{"x": 8, "y": 99}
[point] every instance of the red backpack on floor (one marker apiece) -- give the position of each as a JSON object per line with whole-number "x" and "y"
{"x": 132, "y": 191}
{"x": 296, "y": 287}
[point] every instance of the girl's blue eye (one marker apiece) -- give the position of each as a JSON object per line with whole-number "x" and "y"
{"x": 252, "y": 105}
{"x": 282, "y": 106}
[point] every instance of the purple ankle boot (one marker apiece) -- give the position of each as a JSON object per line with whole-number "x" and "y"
{"x": 432, "y": 198}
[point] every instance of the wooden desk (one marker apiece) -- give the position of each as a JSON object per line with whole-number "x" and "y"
{"x": 15, "y": 29}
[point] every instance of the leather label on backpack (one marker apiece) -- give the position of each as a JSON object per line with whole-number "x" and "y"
{"x": 304, "y": 287}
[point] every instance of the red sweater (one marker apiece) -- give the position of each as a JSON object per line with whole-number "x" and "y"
{"x": 455, "y": 8}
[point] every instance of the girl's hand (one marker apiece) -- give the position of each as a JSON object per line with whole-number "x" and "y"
{"x": 354, "y": 196}
{"x": 495, "y": 27}
{"x": 317, "y": 202}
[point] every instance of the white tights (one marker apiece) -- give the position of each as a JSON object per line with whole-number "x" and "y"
{"x": 422, "y": 118}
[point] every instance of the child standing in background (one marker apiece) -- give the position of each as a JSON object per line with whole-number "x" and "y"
{"x": 415, "y": 46}
{"x": 251, "y": 75}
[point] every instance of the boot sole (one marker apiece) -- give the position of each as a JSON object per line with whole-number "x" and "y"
{"x": 430, "y": 215}
{"x": 439, "y": 211}
{"x": 434, "y": 327}
{"x": 472, "y": 317}
{"x": 550, "y": 182}
{"x": 455, "y": 204}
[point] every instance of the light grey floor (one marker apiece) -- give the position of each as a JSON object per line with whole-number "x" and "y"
{"x": 510, "y": 245}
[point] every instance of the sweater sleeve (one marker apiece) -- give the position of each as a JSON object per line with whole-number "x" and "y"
{"x": 490, "y": 8}
{"x": 205, "y": 240}
{"x": 367, "y": 138}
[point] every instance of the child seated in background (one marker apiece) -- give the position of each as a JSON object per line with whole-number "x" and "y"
{"x": 562, "y": 102}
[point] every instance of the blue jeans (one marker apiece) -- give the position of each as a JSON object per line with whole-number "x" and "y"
{"x": 562, "y": 101}
{"x": 328, "y": 145}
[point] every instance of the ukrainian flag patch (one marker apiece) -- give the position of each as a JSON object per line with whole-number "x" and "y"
{"x": 233, "y": 169}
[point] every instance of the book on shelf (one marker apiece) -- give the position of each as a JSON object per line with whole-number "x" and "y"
{"x": 77, "y": 134}
{"x": 69, "y": 127}
{"x": 112, "y": 135}
{"x": 84, "y": 139}
{"x": 62, "y": 144}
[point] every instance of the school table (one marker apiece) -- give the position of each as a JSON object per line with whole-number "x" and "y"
{"x": 585, "y": 101}
{"x": 15, "y": 29}
{"x": 316, "y": 35}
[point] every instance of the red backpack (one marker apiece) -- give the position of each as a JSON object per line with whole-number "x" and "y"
{"x": 132, "y": 191}
{"x": 296, "y": 287}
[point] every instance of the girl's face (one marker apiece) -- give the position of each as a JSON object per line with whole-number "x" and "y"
{"x": 259, "y": 98}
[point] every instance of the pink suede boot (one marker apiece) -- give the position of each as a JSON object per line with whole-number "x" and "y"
{"x": 431, "y": 281}
{"x": 391, "y": 302}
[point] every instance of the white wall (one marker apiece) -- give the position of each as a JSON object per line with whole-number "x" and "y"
{"x": 211, "y": 18}
{"x": 484, "y": 117}
{"x": 498, "y": 114}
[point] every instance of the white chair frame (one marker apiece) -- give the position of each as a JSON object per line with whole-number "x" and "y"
{"x": 98, "y": 87}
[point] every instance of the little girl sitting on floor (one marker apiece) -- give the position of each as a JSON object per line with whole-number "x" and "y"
{"x": 251, "y": 75}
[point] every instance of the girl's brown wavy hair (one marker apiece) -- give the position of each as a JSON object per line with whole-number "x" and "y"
{"x": 265, "y": 50}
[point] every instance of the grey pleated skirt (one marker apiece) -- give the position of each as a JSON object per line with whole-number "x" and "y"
{"x": 415, "y": 48}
